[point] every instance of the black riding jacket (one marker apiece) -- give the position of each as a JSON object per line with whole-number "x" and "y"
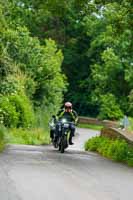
{"x": 71, "y": 116}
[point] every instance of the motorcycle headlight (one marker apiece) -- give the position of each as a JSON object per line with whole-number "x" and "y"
{"x": 66, "y": 125}
{"x": 64, "y": 120}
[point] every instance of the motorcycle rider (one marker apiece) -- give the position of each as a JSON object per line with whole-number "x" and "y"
{"x": 71, "y": 116}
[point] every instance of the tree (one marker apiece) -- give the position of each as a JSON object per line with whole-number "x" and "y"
{"x": 111, "y": 33}
{"x": 96, "y": 41}
{"x": 29, "y": 70}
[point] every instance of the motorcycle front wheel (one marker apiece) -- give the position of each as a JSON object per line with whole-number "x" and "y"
{"x": 63, "y": 143}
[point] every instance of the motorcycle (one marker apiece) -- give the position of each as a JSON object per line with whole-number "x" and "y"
{"x": 61, "y": 134}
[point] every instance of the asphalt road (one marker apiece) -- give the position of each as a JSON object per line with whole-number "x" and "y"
{"x": 42, "y": 173}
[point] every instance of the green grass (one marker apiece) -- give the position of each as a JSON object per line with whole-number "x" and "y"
{"x": 90, "y": 126}
{"x": 30, "y": 137}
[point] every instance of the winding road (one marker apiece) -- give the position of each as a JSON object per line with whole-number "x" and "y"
{"x": 42, "y": 173}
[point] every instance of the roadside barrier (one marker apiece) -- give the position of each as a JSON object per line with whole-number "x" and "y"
{"x": 89, "y": 120}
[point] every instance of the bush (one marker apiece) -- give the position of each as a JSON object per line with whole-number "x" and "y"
{"x": 117, "y": 150}
{"x": 9, "y": 86}
{"x": 8, "y": 114}
{"x": 16, "y": 111}
{"x": 103, "y": 146}
{"x": 93, "y": 144}
{"x": 24, "y": 109}
{"x": 130, "y": 156}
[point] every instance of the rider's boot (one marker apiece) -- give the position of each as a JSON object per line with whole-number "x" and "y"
{"x": 70, "y": 141}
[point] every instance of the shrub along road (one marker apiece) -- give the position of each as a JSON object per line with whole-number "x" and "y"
{"x": 40, "y": 172}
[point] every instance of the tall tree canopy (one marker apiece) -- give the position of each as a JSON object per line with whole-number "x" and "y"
{"x": 30, "y": 72}
{"x": 90, "y": 41}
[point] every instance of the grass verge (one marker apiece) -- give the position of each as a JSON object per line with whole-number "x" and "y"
{"x": 28, "y": 136}
{"x": 90, "y": 126}
{"x": 2, "y": 138}
{"x": 117, "y": 150}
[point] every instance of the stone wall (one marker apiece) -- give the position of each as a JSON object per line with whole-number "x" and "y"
{"x": 88, "y": 120}
{"x": 114, "y": 133}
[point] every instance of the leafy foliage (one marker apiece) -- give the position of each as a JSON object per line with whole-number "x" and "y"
{"x": 109, "y": 108}
{"x": 29, "y": 72}
{"x": 95, "y": 42}
{"x": 110, "y": 52}
{"x": 2, "y": 137}
{"x": 117, "y": 150}
{"x": 16, "y": 111}
{"x": 8, "y": 115}
{"x": 24, "y": 109}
